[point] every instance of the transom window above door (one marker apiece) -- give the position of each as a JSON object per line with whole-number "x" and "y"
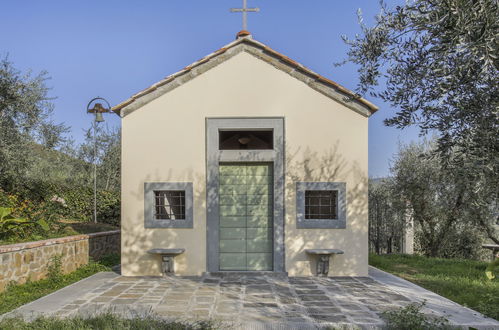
{"x": 248, "y": 139}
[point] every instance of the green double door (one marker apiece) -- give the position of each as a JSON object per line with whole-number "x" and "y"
{"x": 246, "y": 217}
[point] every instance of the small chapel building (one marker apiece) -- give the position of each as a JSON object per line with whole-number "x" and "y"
{"x": 246, "y": 160}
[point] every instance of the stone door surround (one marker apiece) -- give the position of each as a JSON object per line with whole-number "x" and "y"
{"x": 214, "y": 157}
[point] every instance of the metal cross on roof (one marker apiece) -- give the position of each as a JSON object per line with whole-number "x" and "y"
{"x": 245, "y": 10}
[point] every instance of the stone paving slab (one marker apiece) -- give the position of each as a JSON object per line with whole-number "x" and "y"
{"x": 249, "y": 301}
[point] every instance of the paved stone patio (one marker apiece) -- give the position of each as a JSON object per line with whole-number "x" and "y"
{"x": 244, "y": 299}
{"x": 241, "y": 301}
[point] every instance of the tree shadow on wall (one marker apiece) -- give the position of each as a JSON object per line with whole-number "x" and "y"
{"x": 301, "y": 165}
{"x": 327, "y": 166}
{"x": 137, "y": 240}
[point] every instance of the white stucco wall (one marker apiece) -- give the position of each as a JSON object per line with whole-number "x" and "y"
{"x": 165, "y": 141}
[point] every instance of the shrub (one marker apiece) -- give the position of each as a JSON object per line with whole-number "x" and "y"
{"x": 75, "y": 203}
{"x": 464, "y": 241}
{"x": 54, "y": 268}
{"x": 8, "y": 200}
{"x": 411, "y": 318}
{"x": 80, "y": 205}
{"x": 11, "y": 226}
{"x": 489, "y": 271}
{"x": 40, "y": 218}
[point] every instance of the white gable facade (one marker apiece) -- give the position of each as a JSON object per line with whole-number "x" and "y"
{"x": 245, "y": 159}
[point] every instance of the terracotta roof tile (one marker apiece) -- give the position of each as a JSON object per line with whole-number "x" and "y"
{"x": 245, "y": 37}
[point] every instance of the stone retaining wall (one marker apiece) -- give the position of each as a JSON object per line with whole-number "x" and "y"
{"x": 23, "y": 261}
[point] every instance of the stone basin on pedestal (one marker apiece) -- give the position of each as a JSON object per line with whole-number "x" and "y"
{"x": 323, "y": 261}
{"x": 167, "y": 259}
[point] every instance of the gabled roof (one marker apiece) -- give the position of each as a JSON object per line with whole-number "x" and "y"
{"x": 246, "y": 43}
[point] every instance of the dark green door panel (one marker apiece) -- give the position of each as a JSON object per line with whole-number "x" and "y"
{"x": 246, "y": 226}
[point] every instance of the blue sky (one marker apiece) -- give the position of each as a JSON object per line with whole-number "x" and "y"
{"x": 115, "y": 48}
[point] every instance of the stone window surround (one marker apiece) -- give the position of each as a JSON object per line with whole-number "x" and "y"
{"x": 302, "y": 223}
{"x": 214, "y": 157}
{"x": 150, "y": 220}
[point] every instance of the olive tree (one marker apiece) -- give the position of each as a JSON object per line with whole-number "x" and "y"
{"x": 387, "y": 217}
{"x": 25, "y": 121}
{"x": 435, "y": 62}
{"x": 107, "y": 156}
{"x": 435, "y": 197}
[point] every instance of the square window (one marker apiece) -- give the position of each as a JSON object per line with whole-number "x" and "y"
{"x": 169, "y": 204}
{"x": 321, "y": 204}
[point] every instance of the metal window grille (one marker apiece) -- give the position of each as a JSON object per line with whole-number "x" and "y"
{"x": 170, "y": 204}
{"x": 321, "y": 204}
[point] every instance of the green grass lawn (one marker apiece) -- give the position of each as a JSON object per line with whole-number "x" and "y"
{"x": 107, "y": 322}
{"x": 462, "y": 281}
{"x": 17, "y": 295}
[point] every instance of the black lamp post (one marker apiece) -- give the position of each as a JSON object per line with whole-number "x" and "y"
{"x": 97, "y": 110}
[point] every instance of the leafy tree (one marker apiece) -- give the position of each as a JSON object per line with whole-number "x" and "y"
{"x": 44, "y": 175}
{"x": 52, "y": 135}
{"x": 387, "y": 217}
{"x": 436, "y": 62}
{"x": 107, "y": 157}
{"x": 51, "y": 170}
{"x": 25, "y": 111}
{"x": 435, "y": 197}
